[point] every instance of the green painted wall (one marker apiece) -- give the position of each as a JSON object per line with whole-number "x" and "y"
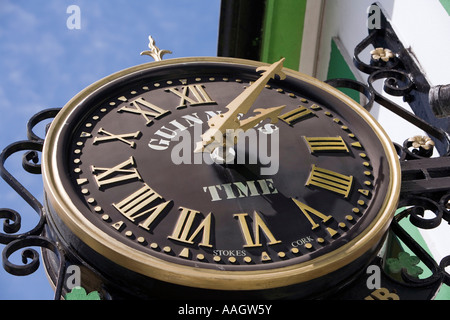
{"x": 444, "y": 292}
{"x": 283, "y": 32}
{"x": 338, "y": 68}
{"x": 446, "y": 5}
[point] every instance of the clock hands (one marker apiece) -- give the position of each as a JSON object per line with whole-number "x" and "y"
{"x": 220, "y": 124}
{"x": 268, "y": 113}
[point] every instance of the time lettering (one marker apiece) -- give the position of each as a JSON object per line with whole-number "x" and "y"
{"x": 241, "y": 189}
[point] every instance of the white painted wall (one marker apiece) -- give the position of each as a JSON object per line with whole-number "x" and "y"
{"x": 424, "y": 26}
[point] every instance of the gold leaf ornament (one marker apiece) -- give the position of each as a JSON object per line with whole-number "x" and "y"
{"x": 382, "y": 53}
{"x": 422, "y": 142}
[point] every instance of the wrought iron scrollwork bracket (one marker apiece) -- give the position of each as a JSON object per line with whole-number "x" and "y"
{"x": 425, "y": 179}
{"x": 30, "y": 162}
{"x": 12, "y": 236}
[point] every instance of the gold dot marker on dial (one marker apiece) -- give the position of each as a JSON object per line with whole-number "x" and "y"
{"x": 200, "y": 257}
{"x": 167, "y": 249}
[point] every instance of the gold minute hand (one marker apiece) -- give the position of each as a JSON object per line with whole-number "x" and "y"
{"x": 219, "y": 124}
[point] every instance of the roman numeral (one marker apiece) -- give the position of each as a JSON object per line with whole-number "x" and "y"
{"x": 330, "y": 180}
{"x": 117, "y": 174}
{"x": 307, "y": 211}
{"x": 150, "y": 110}
{"x": 136, "y": 205}
{"x": 184, "y": 226}
{"x": 296, "y": 115}
{"x": 198, "y": 92}
{"x": 258, "y": 225}
{"x": 108, "y": 136}
{"x": 326, "y": 144}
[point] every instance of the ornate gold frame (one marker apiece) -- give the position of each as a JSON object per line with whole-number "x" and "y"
{"x": 147, "y": 265}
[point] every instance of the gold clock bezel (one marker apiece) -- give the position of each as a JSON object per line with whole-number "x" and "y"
{"x": 153, "y": 267}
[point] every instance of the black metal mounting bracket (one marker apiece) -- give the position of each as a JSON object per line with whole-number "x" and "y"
{"x": 425, "y": 179}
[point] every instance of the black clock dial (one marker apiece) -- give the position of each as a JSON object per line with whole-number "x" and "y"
{"x": 322, "y": 177}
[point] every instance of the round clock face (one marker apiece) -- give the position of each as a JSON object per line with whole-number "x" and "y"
{"x": 298, "y": 194}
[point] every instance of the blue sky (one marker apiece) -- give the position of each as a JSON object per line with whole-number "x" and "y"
{"x": 43, "y": 64}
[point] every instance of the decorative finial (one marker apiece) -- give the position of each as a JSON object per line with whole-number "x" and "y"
{"x": 154, "y": 51}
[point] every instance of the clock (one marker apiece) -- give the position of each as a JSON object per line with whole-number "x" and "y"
{"x": 219, "y": 178}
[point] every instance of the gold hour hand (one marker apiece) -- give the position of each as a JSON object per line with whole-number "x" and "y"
{"x": 219, "y": 124}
